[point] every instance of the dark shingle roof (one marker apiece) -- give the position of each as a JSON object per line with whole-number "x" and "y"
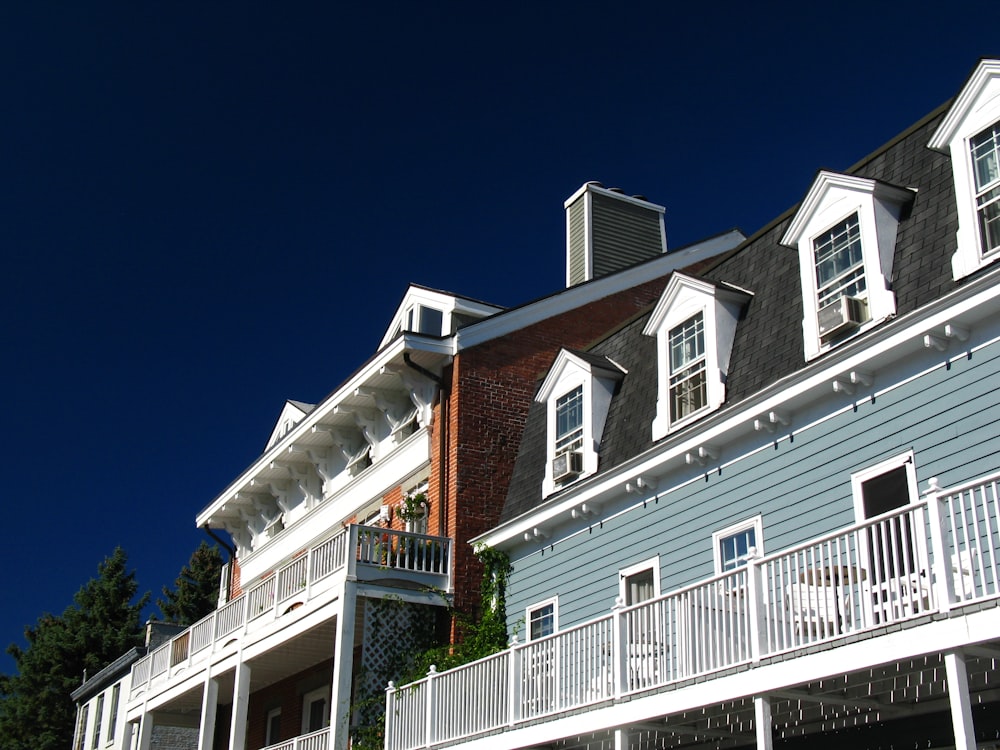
{"x": 768, "y": 344}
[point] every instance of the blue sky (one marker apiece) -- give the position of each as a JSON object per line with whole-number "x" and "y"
{"x": 207, "y": 208}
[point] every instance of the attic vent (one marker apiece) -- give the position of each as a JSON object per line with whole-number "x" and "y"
{"x": 607, "y": 231}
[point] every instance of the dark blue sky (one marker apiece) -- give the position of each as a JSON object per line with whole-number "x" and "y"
{"x": 207, "y": 208}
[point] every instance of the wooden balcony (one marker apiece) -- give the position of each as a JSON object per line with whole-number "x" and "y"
{"x": 901, "y": 569}
{"x": 361, "y": 553}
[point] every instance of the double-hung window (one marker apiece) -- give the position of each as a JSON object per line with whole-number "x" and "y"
{"x": 986, "y": 171}
{"x": 569, "y": 421}
{"x": 840, "y": 265}
{"x": 542, "y": 620}
{"x": 736, "y": 544}
{"x": 687, "y": 368}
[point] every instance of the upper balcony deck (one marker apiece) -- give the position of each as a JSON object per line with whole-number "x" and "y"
{"x": 857, "y": 587}
{"x": 357, "y": 553}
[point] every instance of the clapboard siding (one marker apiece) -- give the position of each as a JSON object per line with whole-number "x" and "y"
{"x": 799, "y": 483}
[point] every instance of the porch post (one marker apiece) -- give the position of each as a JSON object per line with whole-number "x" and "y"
{"x": 958, "y": 697}
{"x": 145, "y": 730}
{"x": 621, "y": 739}
{"x": 944, "y": 593}
{"x": 762, "y": 721}
{"x": 241, "y": 702}
{"x": 343, "y": 666}
{"x": 209, "y": 704}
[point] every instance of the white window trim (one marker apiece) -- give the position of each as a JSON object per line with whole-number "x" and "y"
{"x": 858, "y": 478}
{"x": 598, "y": 384}
{"x": 976, "y": 108}
{"x": 720, "y": 306}
{"x": 554, "y": 601}
{"x": 268, "y": 739}
{"x": 833, "y": 198}
{"x": 624, "y": 574}
{"x": 756, "y": 523}
{"x": 311, "y": 697}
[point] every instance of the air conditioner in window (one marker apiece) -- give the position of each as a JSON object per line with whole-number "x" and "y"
{"x": 842, "y": 315}
{"x": 566, "y": 466}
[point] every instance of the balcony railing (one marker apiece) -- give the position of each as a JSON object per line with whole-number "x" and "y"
{"x": 319, "y": 740}
{"x": 927, "y": 557}
{"x": 362, "y": 552}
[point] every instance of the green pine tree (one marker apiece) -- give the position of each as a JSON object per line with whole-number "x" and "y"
{"x": 36, "y": 711}
{"x": 196, "y": 590}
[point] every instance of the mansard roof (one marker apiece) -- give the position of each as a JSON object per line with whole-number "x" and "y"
{"x": 768, "y": 345}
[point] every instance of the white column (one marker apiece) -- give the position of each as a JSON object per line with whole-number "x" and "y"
{"x": 145, "y": 730}
{"x": 343, "y": 662}
{"x": 621, "y": 739}
{"x": 762, "y": 721}
{"x": 209, "y": 704}
{"x": 241, "y": 701}
{"x": 958, "y": 697}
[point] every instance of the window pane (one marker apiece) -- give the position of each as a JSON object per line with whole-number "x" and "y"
{"x": 840, "y": 269}
{"x": 688, "y": 388}
{"x": 986, "y": 156}
{"x": 569, "y": 421}
{"x": 542, "y": 622}
{"x": 639, "y": 587}
{"x": 734, "y": 550}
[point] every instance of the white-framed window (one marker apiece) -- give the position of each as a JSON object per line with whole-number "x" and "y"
{"x": 113, "y": 713}
{"x": 885, "y": 486}
{"x": 577, "y": 393}
{"x": 688, "y": 390}
{"x": 569, "y": 421}
{"x": 95, "y": 740}
{"x": 272, "y": 729}
{"x": 845, "y": 234}
{"x": 985, "y": 151}
{"x": 640, "y": 582}
{"x": 542, "y": 618}
{"x": 81, "y": 727}
{"x": 316, "y": 709}
{"x": 735, "y": 544}
{"x": 969, "y": 134}
{"x": 426, "y": 320}
{"x": 694, "y": 324}
{"x": 839, "y": 263}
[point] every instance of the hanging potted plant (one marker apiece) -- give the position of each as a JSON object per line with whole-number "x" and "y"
{"x": 413, "y": 509}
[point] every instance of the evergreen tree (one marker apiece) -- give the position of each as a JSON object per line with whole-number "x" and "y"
{"x": 36, "y": 711}
{"x": 196, "y": 590}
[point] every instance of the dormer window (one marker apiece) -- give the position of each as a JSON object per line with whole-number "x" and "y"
{"x": 694, "y": 324}
{"x": 986, "y": 169}
{"x": 845, "y": 234}
{"x": 970, "y": 135}
{"x": 577, "y": 393}
{"x": 688, "y": 393}
{"x": 423, "y": 319}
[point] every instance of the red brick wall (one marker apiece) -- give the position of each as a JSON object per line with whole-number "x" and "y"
{"x": 492, "y": 388}
{"x": 286, "y": 694}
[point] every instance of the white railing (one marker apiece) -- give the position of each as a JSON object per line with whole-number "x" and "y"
{"x": 419, "y": 557}
{"x": 929, "y": 556}
{"x": 318, "y": 740}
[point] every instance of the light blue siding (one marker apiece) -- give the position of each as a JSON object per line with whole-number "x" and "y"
{"x": 947, "y": 416}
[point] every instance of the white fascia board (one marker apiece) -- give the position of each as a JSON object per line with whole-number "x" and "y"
{"x": 978, "y": 301}
{"x": 958, "y": 111}
{"x": 406, "y": 343}
{"x": 591, "y": 291}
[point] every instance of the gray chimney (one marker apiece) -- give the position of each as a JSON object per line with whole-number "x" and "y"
{"x": 607, "y": 231}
